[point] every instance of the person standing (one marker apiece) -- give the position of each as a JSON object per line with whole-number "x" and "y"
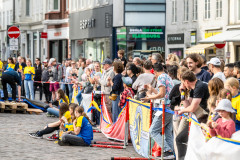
{"x": 214, "y": 66}
{"x": 38, "y": 76}
{"x": 45, "y": 79}
{"x": 194, "y": 62}
{"x": 19, "y": 67}
{"x": 121, "y": 57}
{"x": 163, "y": 89}
{"x": 29, "y": 72}
{"x": 55, "y": 73}
{"x": 228, "y": 70}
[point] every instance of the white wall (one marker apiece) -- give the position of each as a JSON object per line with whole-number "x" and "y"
{"x": 200, "y": 26}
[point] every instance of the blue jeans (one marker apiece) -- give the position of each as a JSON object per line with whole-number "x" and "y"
{"x": 79, "y": 97}
{"x": 28, "y": 86}
{"x": 115, "y": 109}
{"x": 62, "y": 86}
{"x": 156, "y": 129}
{"x": 70, "y": 92}
{"x": 53, "y": 111}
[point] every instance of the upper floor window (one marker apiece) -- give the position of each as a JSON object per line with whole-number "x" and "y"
{"x": 174, "y": 11}
{"x": 207, "y": 9}
{"x": 67, "y": 5}
{"x": 195, "y": 9}
{"x": 27, "y": 7}
{"x": 218, "y": 8}
{"x": 186, "y": 10}
{"x": 53, "y": 5}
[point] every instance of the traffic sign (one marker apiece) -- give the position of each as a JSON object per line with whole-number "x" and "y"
{"x": 13, "y": 48}
{"x": 13, "y": 32}
{"x": 13, "y": 42}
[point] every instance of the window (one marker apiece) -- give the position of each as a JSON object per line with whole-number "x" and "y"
{"x": 186, "y": 9}
{"x": 67, "y": 5}
{"x": 53, "y": 5}
{"x": 195, "y": 10}
{"x": 207, "y": 9}
{"x": 27, "y": 7}
{"x": 218, "y": 8}
{"x": 238, "y": 9}
{"x": 8, "y": 17}
{"x": 174, "y": 11}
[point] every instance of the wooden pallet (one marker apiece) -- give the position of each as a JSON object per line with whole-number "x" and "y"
{"x": 13, "y": 107}
{"x": 33, "y": 110}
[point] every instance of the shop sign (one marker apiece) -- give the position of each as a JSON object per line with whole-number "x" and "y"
{"x": 211, "y": 33}
{"x": 88, "y": 23}
{"x": 175, "y": 38}
{"x": 152, "y": 33}
{"x": 44, "y": 35}
{"x": 59, "y": 33}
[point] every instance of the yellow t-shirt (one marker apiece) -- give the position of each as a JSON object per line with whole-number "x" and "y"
{"x": 62, "y": 100}
{"x": 79, "y": 121}
{"x": 10, "y": 66}
{"x": 68, "y": 117}
{"x": 28, "y": 75}
{"x": 1, "y": 67}
{"x": 236, "y": 106}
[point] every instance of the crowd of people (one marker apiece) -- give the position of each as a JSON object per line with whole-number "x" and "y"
{"x": 210, "y": 90}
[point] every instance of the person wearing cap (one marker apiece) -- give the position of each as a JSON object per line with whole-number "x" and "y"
{"x": 128, "y": 92}
{"x": 214, "y": 66}
{"x": 103, "y": 81}
{"x": 224, "y": 126}
{"x": 44, "y": 79}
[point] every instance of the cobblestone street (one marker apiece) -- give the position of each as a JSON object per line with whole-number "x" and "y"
{"x": 15, "y": 143}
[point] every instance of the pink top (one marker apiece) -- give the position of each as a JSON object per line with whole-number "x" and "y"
{"x": 224, "y": 129}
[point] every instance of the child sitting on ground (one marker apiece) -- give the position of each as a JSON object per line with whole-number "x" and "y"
{"x": 67, "y": 119}
{"x": 224, "y": 126}
{"x": 232, "y": 84}
{"x": 82, "y": 134}
{"x": 128, "y": 92}
{"x": 61, "y": 97}
{"x": 51, "y": 127}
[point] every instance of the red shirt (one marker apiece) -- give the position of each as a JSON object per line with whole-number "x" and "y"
{"x": 128, "y": 92}
{"x": 224, "y": 129}
{"x": 152, "y": 71}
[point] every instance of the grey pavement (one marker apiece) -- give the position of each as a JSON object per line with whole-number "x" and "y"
{"x": 15, "y": 143}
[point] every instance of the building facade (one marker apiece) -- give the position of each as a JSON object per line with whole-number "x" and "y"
{"x": 191, "y": 21}
{"x": 91, "y": 29}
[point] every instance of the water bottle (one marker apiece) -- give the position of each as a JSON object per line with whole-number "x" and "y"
{"x": 176, "y": 117}
{"x": 182, "y": 95}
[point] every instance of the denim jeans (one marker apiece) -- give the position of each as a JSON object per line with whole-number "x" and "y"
{"x": 115, "y": 109}
{"x": 28, "y": 85}
{"x": 70, "y": 92}
{"x": 79, "y": 97}
{"x": 156, "y": 129}
{"x": 53, "y": 111}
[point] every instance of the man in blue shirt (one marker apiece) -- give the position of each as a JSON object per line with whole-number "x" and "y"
{"x": 11, "y": 78}
{"x": 194, "y": 62}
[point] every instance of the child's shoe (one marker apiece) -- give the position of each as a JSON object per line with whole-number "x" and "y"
{"x": 35, "y": 135}
{"x": 53, "y": 137}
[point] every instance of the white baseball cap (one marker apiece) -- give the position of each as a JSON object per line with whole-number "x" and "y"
{"x": 214, "y": 61}
{"x": 226, "y": 105}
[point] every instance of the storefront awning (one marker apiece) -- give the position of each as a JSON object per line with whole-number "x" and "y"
{"x": 227, "y": 36}
{"x": 199, "y": 48}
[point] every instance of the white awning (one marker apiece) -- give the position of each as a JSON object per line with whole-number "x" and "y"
{"x": 227, "y": 36}
{"x": 199, "y": 48}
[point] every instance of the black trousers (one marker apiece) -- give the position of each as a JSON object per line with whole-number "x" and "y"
{"x": 8, "y": 79}
{"x": 47, "y": 130}
{"x": 48, "y": 94}
{"x": 40, "y": 89}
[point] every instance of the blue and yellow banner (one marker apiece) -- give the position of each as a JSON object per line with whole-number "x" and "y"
{"x": 139, "y": 114}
